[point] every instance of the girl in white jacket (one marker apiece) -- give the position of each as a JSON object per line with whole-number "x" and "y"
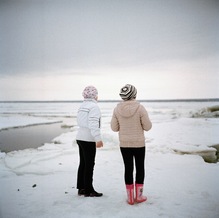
{"x": 88, "y": 139}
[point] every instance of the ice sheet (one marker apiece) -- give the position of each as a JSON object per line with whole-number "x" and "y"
{"x": 179, "y": 183}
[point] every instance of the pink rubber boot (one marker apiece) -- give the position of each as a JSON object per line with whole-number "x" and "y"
{"x": 139, "y": 193}
{"x": 130, "y": 194}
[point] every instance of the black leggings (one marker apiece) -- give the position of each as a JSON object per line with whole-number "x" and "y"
{"x": 87, "y": 153}
{"x": 129, "y": 154}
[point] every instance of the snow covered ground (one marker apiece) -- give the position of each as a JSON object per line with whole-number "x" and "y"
{"x": 42, "y": 182}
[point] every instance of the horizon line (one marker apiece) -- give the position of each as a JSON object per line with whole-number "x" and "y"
{"x": 111, "y": 100}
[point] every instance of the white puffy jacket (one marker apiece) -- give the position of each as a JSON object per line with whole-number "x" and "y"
{"x": 89, "y": 121}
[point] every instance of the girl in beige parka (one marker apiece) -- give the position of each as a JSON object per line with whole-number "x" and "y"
{"x": 130, "y": 119}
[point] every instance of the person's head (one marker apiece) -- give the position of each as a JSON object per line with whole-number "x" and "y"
{"x": 90, "y": 92}
{"x": 128, "y": 92}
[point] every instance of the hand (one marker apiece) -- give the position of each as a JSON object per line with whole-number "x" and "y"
{"x": 99, "y": 144}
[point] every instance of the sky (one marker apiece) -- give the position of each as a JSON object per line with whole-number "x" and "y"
{"x": 52, "y": 49}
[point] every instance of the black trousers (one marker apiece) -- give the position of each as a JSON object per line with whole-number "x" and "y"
{"x": 129, "y": 155}
{"x": 87, "y": 153}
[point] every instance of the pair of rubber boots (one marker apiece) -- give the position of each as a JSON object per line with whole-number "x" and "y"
{"x": 139, "y": 198}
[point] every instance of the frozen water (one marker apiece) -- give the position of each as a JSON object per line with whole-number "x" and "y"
{"x": 42, "y": 182}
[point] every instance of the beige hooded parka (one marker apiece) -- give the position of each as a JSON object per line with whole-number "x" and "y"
{"x": 130, "y": 119}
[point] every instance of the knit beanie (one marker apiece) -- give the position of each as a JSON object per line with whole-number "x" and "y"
{"x": 128, "y": 92}
{"x": 90, "y": 92}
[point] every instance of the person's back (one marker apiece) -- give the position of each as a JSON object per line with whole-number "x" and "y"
{"x": 130, "y": 119}
{"x": 88, "y": 119}
{"x": 88, "y": 139}
{"x": 133, "y": 120}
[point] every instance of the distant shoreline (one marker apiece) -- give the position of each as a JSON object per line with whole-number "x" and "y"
{"x": 109, "y": 101}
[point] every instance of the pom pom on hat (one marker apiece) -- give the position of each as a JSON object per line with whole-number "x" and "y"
{"x": 90, "y": 92}
{"x": 128, "y": 92}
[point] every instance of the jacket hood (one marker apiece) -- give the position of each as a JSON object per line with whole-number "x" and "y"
{"x": 128, "y": 108}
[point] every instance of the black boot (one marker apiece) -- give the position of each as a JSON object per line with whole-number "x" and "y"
{"x": 93, "y": 194}
{"x": 81, "y": 192}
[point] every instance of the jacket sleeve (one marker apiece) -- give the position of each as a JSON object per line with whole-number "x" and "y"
{"x": 94, "y": 123}
{"x": 145, "y": 121}
{"x": 114, "y": 122}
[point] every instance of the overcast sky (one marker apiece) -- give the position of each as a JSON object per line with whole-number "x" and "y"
{"x": 50, "y": 50}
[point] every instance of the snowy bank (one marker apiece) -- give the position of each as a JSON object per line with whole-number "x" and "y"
{"x": 209, "y": 154}
{"x": 207, "y": 112}
{"x": 17, "y": 121}
{"x": 42, "y": 183}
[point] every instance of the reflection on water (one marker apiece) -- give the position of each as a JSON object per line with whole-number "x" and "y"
{"x": 29, "y": 137}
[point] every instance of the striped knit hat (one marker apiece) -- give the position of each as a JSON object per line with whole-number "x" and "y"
{"x": 128, "y": 92}
{"x": 90, "y": 92}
